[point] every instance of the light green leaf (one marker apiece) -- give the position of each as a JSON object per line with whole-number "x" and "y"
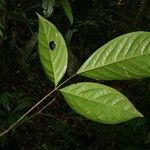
{"x": 48, "y": 5}
{"x": 52, "y": 50}
{"x": 68, "y": 10}
{"x": 126, "y": 57}
{"x": 99, "y": 103}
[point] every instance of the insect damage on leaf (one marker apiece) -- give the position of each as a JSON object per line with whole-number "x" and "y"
{"x": 52, "y": 45}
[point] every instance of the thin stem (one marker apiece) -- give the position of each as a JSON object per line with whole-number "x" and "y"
{"x": 49, "y": 115}
{"x": 40, "y": 111}
{"x": 39, "y": 5}
{"x": 65, "y": 81}
{"x": 37, "y": 104}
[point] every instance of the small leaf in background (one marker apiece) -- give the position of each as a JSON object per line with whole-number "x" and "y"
{"x": 1, "y": 37}
{"x": 99, "y": 103}
{"x": 54, "y": 61}
{"x": 1, "y": 26}
{"x": 6, "y": 99}
{"x": 23, "y": 103}
{"x": 48, "y": 5}
{"x": 27, "y": 56}
{"x": 14, "y": 105}
{"x": 1, "y": 34}
{"x": 69, "y": 35}
{"x": 68, "y": 10}
{"x": 125, "y": 57}
{"x": 29, "y": 47}
{"x": 2, "y": 114}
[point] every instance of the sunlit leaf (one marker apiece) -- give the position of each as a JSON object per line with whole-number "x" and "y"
{"x": 99, "y": 103}
{"x": 126, "y": 57}
{"x": 52, "y": 50}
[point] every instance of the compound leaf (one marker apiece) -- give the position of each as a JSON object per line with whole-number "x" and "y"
{"x": 126, "y": 57}
{"x": 99, "y": 103}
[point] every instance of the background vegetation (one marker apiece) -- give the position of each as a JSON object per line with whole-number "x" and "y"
{"x": 23, "y": 83}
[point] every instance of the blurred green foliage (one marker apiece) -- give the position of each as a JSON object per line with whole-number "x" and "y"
{"x": 12, "y": 106}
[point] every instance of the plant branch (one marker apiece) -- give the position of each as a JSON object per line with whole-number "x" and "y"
{"x": 49, "y": 115}
{"x": 37, "y": 104}
{"x": 40, "y": 111}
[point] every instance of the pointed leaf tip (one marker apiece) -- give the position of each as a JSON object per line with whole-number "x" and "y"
{"x": 99, "y": 103}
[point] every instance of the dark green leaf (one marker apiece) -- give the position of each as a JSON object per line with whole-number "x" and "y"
{"x": 6, "y": 99}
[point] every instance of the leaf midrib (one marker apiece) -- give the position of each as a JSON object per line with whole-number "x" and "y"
{"x": 103, "y": 104}
{"x": 49, "y": 52}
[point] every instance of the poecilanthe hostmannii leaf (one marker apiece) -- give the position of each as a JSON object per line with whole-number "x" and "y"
{"x": 99, "y": 103}
{"x": 125, "y": 57}
{"x": 52, "y": 50}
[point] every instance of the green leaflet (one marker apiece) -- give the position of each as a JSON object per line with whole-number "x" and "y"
{"x": 126, "y": 57}
{"x": 52, "y": 50}
{"x": 99, "y": 103}
{"x": 67, "y": 10}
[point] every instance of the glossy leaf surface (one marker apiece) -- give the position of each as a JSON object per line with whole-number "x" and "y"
{"x": 68, "y": 10}
{"x": 52, "y": 50}
{"x": 125, "y": 57}
{"x": 99, "y": 103}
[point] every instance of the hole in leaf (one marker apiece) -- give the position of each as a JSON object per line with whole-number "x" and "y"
{"x": 52, "y": 45}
